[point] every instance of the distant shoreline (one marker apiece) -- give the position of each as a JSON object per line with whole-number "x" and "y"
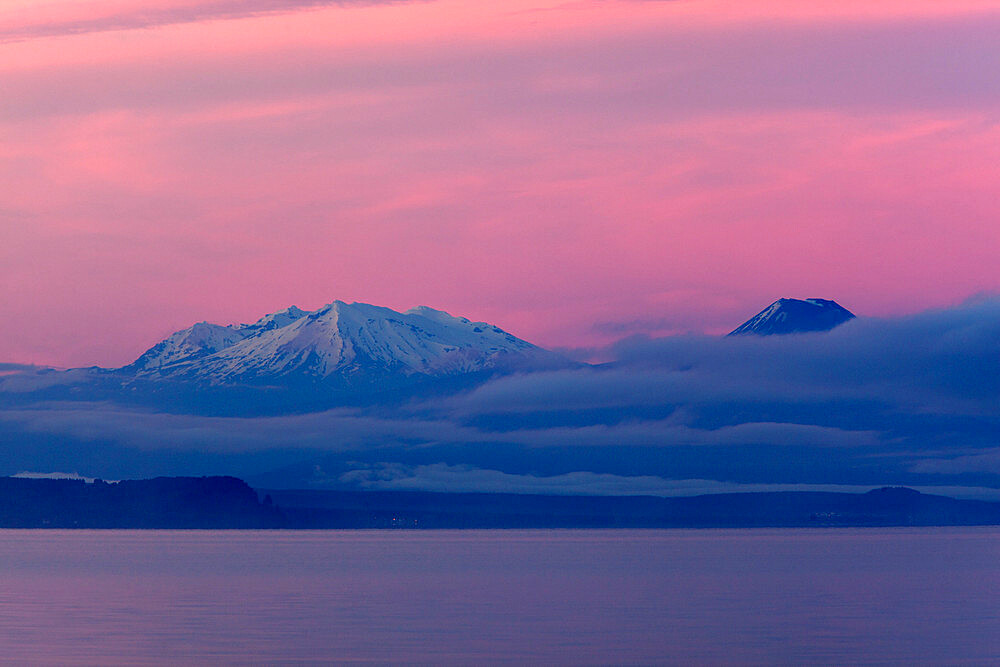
{"x": 230, "y": 503}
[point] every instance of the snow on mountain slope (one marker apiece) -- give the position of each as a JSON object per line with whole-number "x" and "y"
{"x": 340, "y": 339}
{"x": 275, "y": 320}
{"x": 182, "y": 347}
{"x": 203, "y": 339}
{"x": 786, "y": 316}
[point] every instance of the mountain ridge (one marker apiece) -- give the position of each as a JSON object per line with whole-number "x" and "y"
{"x": 337, "y": 340}
{"x": 294, "y": 361}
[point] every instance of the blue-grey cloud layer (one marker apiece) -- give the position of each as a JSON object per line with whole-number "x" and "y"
{"x": 910, "y": 401}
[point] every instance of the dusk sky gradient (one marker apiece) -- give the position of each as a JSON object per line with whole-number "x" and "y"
{"x": 573, "y": 172}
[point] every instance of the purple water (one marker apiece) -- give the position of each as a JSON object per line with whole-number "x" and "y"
{"x": 869, "y": 596}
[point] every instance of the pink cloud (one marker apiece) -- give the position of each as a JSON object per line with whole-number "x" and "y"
{"x": 546, "y": 170}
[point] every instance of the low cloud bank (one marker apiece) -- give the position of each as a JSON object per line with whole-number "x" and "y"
{"x": 11, "y": 369}
{"x": 913, "y": 400}
{"x": 24, "y": 474}
{"x": 443, "y": 477}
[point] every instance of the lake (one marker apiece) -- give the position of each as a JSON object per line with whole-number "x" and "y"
{"x": 816, "y": 596}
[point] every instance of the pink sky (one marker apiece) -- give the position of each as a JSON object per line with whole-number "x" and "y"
{"x": 571, "y": 171}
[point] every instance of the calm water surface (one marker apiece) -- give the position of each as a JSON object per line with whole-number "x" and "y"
{"x": 871, "y": 596}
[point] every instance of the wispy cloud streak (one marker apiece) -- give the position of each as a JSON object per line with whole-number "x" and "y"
{"x": 92, "y": 17}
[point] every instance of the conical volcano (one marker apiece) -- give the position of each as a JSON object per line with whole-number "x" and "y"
{"x": 788, "y": 316}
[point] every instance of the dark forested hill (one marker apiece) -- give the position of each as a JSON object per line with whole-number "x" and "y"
{"x": 164, "y": 502}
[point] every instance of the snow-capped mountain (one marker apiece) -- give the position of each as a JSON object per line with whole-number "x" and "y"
{"x": 786, "y": 316}
{"x": 339, "y": 341}
{"x": 204, "y": 339}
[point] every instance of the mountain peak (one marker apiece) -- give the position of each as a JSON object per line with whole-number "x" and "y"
{"x": 276, "y": 319}
{"x": 336, "y": 342}
{"x": 786, "y": 316}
